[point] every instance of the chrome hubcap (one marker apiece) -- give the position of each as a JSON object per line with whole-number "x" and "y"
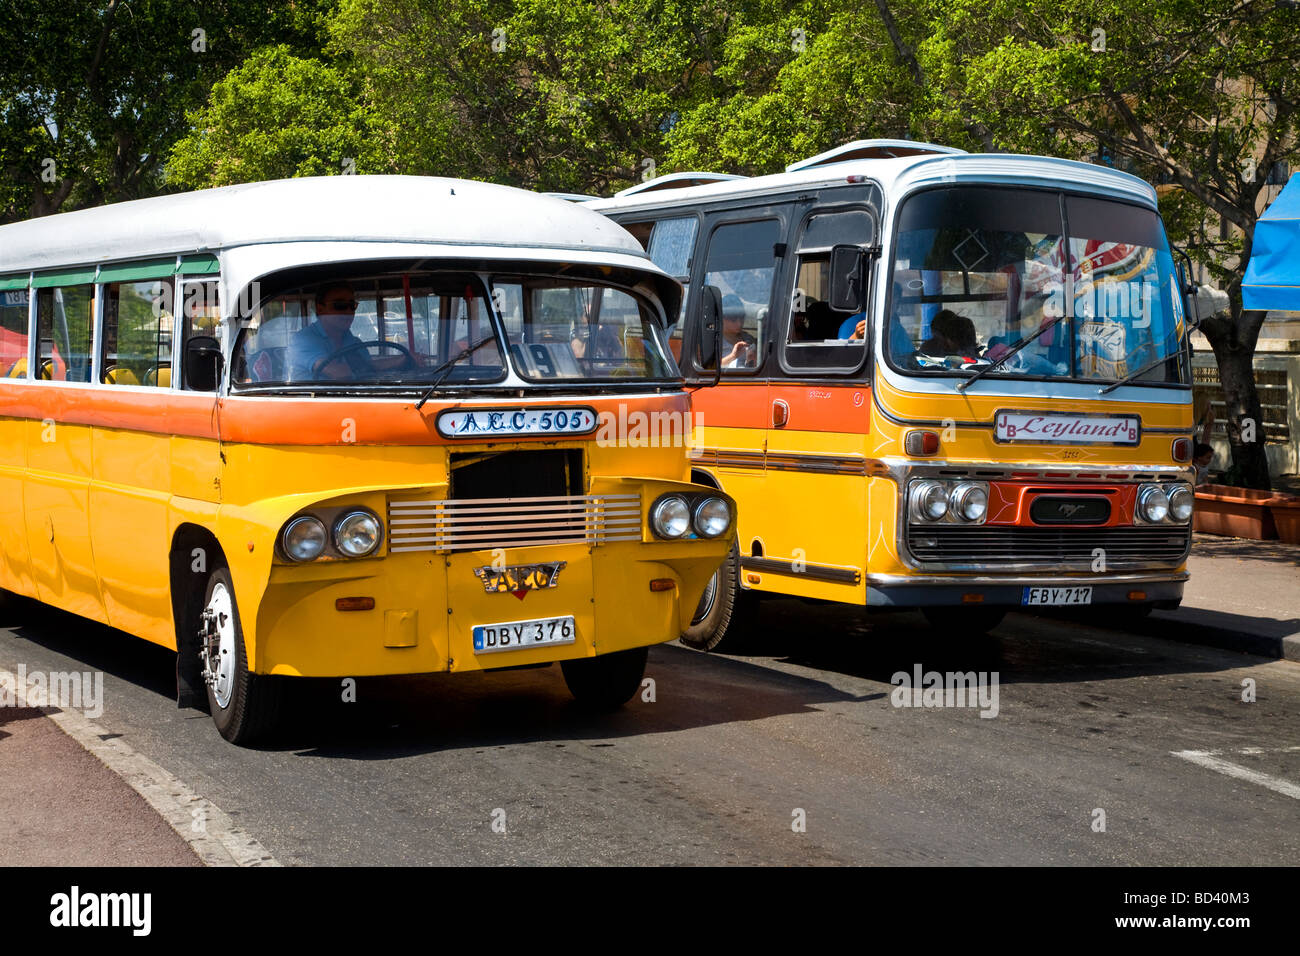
{"x": 217, "y": 634}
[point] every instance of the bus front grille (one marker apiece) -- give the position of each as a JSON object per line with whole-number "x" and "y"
{"x": 476, "y": 524}
{"x": 1126, "y": 547}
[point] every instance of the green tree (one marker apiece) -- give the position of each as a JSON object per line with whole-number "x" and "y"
{"x": 1200, "y": 95}
{"x": 93, "y": 94}
{"x": 277, "y": 116}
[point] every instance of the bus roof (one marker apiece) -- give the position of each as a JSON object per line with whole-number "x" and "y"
{"x": 899, "y": 174}
{"x": 422, "y": 209}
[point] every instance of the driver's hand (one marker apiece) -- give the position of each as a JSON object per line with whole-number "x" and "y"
{"x": 337, "y": 370}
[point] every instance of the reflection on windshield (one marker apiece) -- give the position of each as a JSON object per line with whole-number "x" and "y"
{"x": 394, "y": 329}
{"x": 438, "y": 328}
{"x": 987, "y": 279}
{"x": 569, "y": 329}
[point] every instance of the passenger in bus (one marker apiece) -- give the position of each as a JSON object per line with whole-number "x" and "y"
{"x": 951, "y": 334}
{"x": 310, "y": 348}
{"x": 742, "y": 350}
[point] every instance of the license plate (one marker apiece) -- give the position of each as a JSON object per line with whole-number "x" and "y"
{"x": 517, "y": 635}
{"x": 1056, "y": 596}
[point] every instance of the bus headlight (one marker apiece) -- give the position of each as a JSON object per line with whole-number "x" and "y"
{"x": 1180, "y": 503}
{"x": 970, "y": 502}
{"x": 670, "y": 517}
{"x": 929, "y": 501}
{"x": 303, "y": 538}
{"x": 357, "y": 534}
{"x": 712, "y": 516}
{"x": 1153, "y": 504}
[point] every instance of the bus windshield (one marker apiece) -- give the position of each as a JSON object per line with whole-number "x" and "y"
{"x": 1033, "y": 284}
{"x": 422, "y": 328}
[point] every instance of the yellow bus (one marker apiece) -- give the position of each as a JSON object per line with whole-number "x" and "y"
{"x": 949, "y": 382}
{"x": 351, "y": 426}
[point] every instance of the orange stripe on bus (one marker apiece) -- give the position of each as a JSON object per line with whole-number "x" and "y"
{"x": 289, "y": 421}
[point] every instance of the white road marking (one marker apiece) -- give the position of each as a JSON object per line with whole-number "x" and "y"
{"x": 218, "y": 843}
{"x": 1211, "y": 760}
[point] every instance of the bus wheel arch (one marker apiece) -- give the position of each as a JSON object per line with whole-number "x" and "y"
{"x": 210, "y": 636}
{"x": 194, "y": 552}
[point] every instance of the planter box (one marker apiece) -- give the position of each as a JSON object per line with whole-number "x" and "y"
{"x": 1286, "y": 517}
{"x": 1236, "y": 512}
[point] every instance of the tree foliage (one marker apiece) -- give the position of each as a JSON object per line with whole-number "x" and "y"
{"x": 92, "y": 94}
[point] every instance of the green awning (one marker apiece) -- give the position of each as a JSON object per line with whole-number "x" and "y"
{"x": 138, "y": 271}
{"x": 9, "y": 283}
{"x": 74, "y": 277}
{"x": 204, "y": 265}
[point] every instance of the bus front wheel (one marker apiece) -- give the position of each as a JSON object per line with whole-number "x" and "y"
{"x": 608, "y": 681}
{"x": 244, "y": 705}
{"x": 723, "y": 611}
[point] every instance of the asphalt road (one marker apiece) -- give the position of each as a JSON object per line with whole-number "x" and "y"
{"x": 735, "y": 751}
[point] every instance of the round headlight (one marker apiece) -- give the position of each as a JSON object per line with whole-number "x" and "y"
{"x": 1153, "y": 503}
{"x": 357, "y": 534}
{"x": 929, "y": 501}
{"x": 712, "y": 516}
{"x": 969, "y": 501}
{"x": 303, "y": 539}
{"x": 1180, "y": 503}
{"x": 670, "y": 517}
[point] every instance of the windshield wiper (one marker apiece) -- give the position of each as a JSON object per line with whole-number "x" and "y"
{"x": 443, "y": 370}
{"x": 1015, "y": 349}
{"x": 1138, "y": 374}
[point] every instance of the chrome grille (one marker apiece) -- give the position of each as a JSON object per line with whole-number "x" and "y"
{"x": 1125, "y": 547}
{"x": 473, "y": 524}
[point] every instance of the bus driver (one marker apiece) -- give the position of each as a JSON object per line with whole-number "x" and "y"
{"x": 311, "y": 348}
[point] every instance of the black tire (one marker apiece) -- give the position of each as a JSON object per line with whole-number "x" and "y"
{"x": 959, "y": 619}
{"x": 725, "y": 610}
{"x": 608, "y": 681}
{"x": 247, "y": 705}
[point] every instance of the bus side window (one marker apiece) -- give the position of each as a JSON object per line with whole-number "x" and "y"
{"x": 741, "y": 265}
{"x": 13, "y": 333}
{"x": 136, "y": 347}
{"x": 64, "y": 328}
{"x": 199, "y": 309}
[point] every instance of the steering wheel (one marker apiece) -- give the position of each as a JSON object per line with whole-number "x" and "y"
{"x": 411, "y": 361}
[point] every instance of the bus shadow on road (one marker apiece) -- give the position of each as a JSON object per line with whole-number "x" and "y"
{"x": 386, "y": 717}
{"x": 407, "y": 716}
{"x": 1047, "y": 647}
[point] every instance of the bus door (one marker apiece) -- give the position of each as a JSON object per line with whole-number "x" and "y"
{"x": 818, "y": 414}
{"x": 741, "y": 254}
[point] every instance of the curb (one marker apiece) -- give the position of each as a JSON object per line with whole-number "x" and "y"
{"x": 1180, "y": 626}
{"x": 209, "y": 831}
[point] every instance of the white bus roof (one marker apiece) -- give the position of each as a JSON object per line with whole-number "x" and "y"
{"x": 353, "y": 209}
{"x": 871, "y": 149}
{"x": 898, "y": 175}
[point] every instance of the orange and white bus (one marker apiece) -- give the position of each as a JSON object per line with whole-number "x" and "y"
{"x": 949, "y": 382}
{"x": 350, "y": 426}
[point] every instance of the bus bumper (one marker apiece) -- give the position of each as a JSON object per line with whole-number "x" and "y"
{"x": 1163, "y": 589}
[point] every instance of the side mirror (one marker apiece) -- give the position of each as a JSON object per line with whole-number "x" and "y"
{"x": 708, "y": 330}
{"x": 203, "y": 363}
{"x": 1189, "y": 290}
{"x": 847, "y": 285}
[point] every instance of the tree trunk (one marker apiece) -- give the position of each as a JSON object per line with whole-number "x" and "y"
{"x": 1244, "y": 416}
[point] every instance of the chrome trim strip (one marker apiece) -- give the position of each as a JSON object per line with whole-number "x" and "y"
{"x": 816, "y": 572}
{"x": 974, "y": 580}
